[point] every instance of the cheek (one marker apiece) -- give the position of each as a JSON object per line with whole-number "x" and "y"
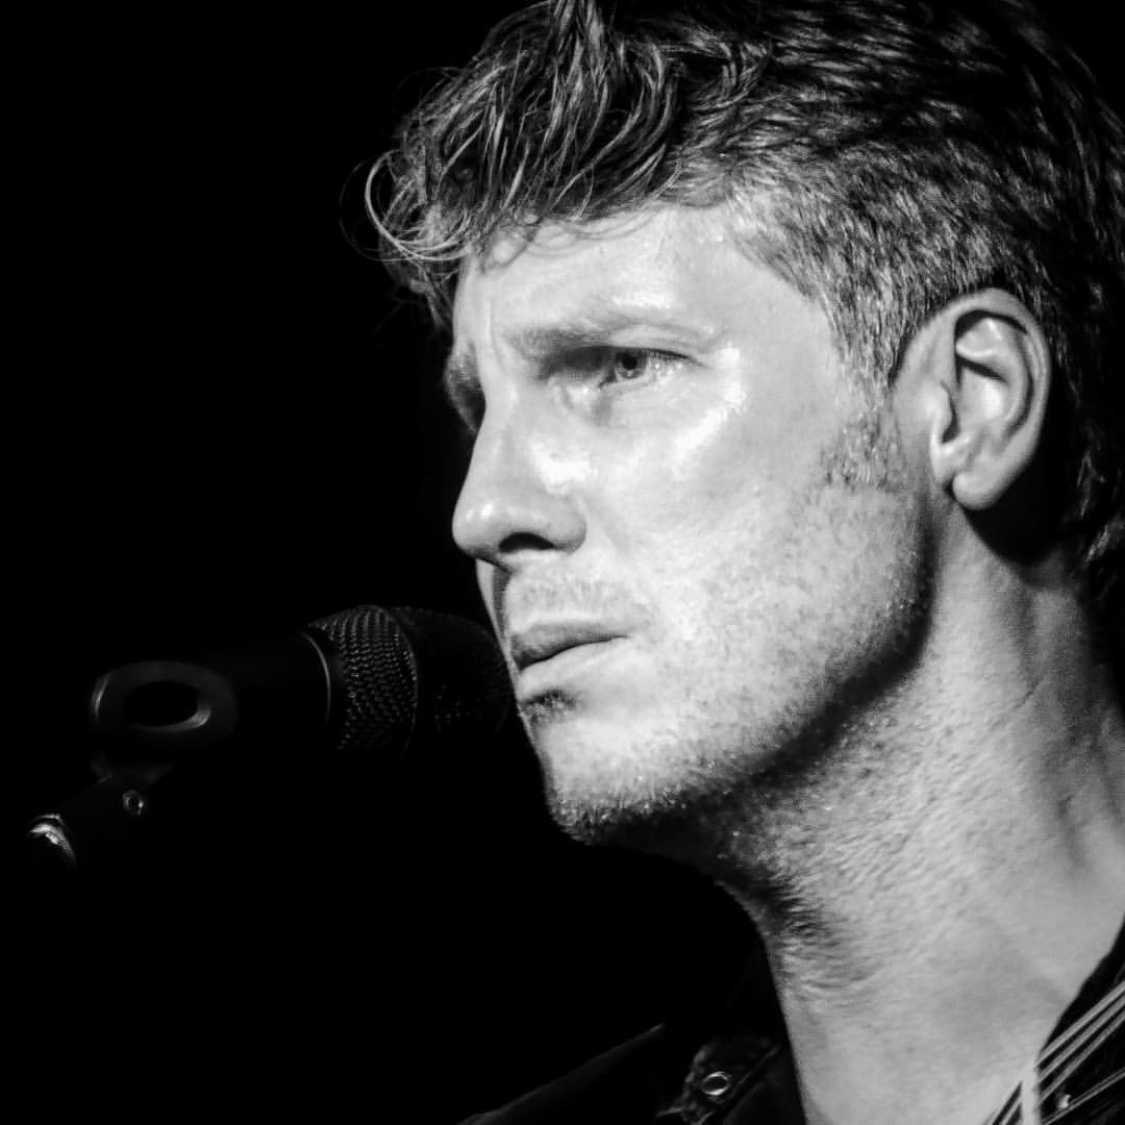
{"x": 746, "y": 446}
{"x": 674, "y": 532}
{"x": 712, "y": 444}
{"x": 685, "y": 494}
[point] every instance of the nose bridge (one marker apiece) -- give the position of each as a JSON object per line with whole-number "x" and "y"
{"x": 517, "y": 496}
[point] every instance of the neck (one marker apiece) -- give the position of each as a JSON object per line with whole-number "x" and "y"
{"x": 934, "y": 889}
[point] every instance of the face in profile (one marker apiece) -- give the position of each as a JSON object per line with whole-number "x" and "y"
{"x": 692, "y": 531}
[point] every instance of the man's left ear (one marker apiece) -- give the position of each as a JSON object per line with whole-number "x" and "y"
{"x": 989, "y": 376}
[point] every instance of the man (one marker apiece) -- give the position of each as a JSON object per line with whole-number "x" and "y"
{"x": 790, "y": 339}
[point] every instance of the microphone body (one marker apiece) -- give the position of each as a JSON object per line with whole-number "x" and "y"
{"x": 363, "y": 681}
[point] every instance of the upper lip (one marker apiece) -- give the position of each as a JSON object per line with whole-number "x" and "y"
{"x": 546, "y": 639}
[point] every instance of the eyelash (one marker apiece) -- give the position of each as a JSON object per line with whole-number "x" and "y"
{"x": 645, "y": 359}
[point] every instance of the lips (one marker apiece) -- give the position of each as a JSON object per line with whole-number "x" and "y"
{"x": 541, "y": 642}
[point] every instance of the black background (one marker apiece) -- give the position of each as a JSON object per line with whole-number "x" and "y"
{"x": 225, "y": 425}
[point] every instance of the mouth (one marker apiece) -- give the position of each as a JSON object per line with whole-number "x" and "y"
{"x": 541, "y": 643}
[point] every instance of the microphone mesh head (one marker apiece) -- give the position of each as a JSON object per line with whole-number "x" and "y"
{"x": 413, "y": 672}
{"x": 380, "y": 678}
{"x": 465, "y": 685}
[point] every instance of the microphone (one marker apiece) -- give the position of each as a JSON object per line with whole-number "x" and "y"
{"x": 364, "y": 680}
{"x": 367, "y": 680}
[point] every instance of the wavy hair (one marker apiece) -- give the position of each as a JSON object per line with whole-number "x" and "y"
{"x": 884, "y": 156}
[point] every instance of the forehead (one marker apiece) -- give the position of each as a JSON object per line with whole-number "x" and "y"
{"x": 672, "y": 265}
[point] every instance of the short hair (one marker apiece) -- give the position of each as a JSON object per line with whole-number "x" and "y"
{"x": 888, "y": 156}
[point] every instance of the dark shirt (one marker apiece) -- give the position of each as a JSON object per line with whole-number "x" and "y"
{"x": 734, "y": 1067}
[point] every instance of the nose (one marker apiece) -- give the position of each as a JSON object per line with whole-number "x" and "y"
{"x": 515, "y": 502}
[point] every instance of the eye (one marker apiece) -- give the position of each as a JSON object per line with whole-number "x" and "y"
{"x": 630, "y": 365}
{"x": 601, "y": 379}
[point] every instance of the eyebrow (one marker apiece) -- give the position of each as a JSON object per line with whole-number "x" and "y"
{"x": 538, "y": 341}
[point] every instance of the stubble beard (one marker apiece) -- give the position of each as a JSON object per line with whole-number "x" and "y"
{"x": 728, "y": 783}
{"x": 734, "y": 798}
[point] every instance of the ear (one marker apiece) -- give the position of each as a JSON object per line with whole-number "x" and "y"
{"x": 989, "y": 378}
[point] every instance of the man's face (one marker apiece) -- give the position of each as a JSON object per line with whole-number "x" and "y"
{"x": 690, "y": 537}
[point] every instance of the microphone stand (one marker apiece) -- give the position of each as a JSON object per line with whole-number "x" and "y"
{"x": 144, "y": 715}
{"x": 147, "y": 716}
{"x": 84, "y": 831}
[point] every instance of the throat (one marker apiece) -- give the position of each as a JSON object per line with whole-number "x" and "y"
{"x": 925, "y": 933}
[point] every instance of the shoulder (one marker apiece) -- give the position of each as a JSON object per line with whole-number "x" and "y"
{"x": 734, "y": 1033}
{"x": 620, "y": 1086}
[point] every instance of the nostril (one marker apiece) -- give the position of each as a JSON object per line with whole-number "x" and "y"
{"x": 524, "y": 541}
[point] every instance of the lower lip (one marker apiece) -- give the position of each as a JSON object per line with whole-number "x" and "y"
{"x": 556, "y": 670}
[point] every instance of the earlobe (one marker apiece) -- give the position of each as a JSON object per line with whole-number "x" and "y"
{"x": 987, "y": 421}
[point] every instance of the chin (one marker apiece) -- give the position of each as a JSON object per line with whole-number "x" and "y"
{"x": 686, "y": 824}
{"x": 638, "y": 784}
